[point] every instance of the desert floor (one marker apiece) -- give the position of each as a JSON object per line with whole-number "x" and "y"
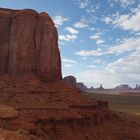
{"x": 120, "y": 102}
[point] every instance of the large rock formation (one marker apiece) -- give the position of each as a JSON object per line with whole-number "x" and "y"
{"x": 81, "y": 86}
{"x": 137, "y": 87}
{"x": 28, "y": 43}
{"x": 70, "y": 80}
{"x": 123, "y": 87}
{"x": 100, "y": 88}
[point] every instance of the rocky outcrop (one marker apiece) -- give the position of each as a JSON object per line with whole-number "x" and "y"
{"x": 91, "y": 89}
{"x": 81, "y": 86}
{"x": 70, "y": 80}
{"x": 137, "y": 87}
{"x": 123, "y": 87}
{"x": 28, "y": 43}
{"x": 100, "y": 88}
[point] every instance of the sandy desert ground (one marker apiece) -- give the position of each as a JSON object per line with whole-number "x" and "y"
{"x": 127, "y": 103}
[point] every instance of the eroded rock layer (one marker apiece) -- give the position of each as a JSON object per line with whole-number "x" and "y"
{"x": 28, "y": 43}
{"x": 33, "y": 110}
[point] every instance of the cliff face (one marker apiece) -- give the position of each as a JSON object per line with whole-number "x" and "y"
{"x": 28, "y": 43}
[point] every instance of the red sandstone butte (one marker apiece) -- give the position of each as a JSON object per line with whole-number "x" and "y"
{"x": 70, "y": 80}
{"x": 29, "y": 43}
{"x": 35, "y": 103}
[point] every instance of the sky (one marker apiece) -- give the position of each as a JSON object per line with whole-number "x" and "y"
{"x": 99, "y": 40}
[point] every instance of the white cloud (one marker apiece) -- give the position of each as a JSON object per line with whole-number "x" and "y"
{"x": 68, "y": 65}
{"x": 130, "y": 64}
{"x": 92, "y": 66}
{"x": 108, "y": 20}
{"x": 85, "y": 21}
{"x": 67, "y": 37}
{"x": 125, "y": 70}
{"x": 83, "y": 3}
{"x": 59, "y": 20}
{"x": 126, "y": 21}
{"x": 100, "y": 41}
{"x": 97, "y": 52}
{"x": 97, "y": 61}
{"x": 69, "y": 61}
{"x": 61, "y": 43}
{"x": 80, "y": 24}
{"x": 127, "y": 45}
{"x": 123, "y": 3}
{"x": 97, "y": 38}
{"x": 72, "y": 30}
{"x": 92, "y": 9}
{"x": 122, "y": 71}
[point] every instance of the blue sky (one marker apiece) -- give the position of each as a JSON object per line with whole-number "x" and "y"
{"x": 99, "y": 40}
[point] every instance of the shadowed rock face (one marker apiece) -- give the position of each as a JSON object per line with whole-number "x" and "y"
{"x": 28, "y": 43}
{"x": 70, "y": 80}
{"x": 81, "y": 86}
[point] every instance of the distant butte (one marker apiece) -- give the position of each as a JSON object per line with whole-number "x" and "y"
{"x": 35, "y": 103}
